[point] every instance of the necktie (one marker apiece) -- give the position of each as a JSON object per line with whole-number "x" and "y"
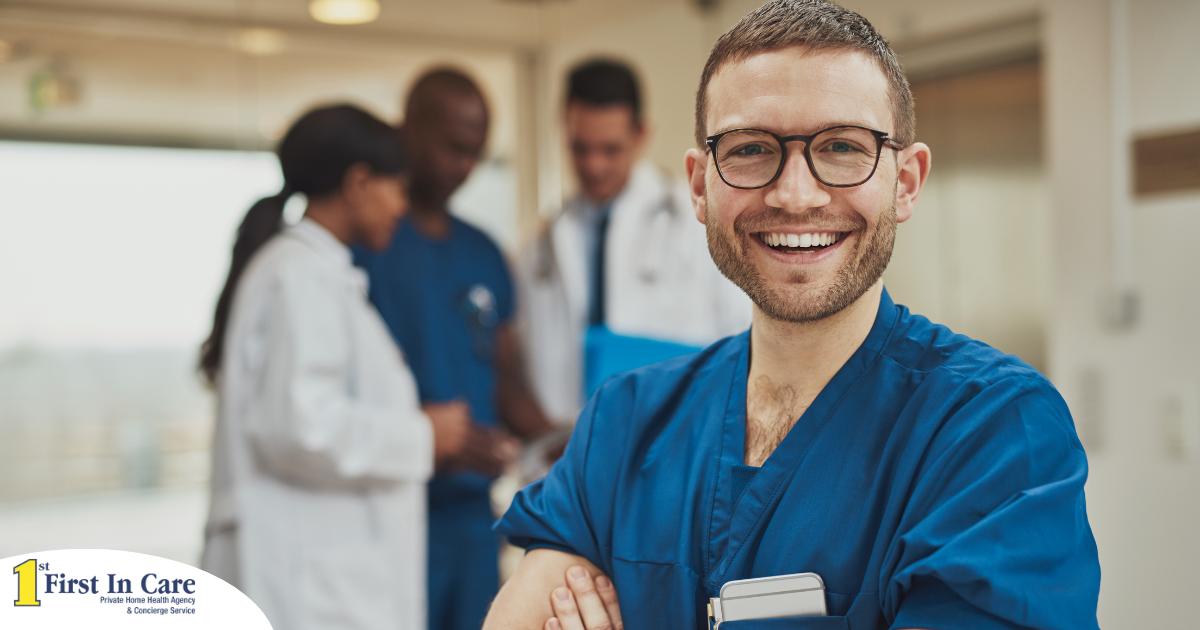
{"x": 596, "y": 308}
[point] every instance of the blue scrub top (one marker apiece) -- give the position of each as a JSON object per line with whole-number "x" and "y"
{"x": 933, "y": 483}
{"x": 442, "y": 301}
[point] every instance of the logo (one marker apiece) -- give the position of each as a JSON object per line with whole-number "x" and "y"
{"x": 98, "y": 588}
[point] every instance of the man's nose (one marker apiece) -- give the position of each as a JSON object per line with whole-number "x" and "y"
{"x": 797, "y": 189}
{"x": 596, "y": 159}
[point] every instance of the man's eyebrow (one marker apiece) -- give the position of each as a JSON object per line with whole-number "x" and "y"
{"x": 815, "y": 128}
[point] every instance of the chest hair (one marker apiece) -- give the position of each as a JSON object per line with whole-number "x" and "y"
{"x": 771, "y": 411}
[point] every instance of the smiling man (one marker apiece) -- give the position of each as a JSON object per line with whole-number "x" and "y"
{"x": 930, "y": 480}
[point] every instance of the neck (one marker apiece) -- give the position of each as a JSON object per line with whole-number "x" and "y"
{"x": 430, "y": 218}
{"x": 333, "y": 215}
{"x": 805, "y": 356}
{"x": 599, "y": 201}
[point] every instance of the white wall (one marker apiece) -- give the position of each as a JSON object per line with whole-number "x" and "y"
{"x": 1144, "y": 498}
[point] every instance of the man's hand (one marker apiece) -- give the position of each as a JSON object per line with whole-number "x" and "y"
{"x": 451, "y": 428}
{"x": 589, "y": 604}
{"x": 486, "y": 450}
{"x": 460, "y": 444}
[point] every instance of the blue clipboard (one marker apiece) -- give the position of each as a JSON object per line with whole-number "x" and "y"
{"x": 607, "y": 353}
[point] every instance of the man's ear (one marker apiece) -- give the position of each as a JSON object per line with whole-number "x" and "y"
{"x": 696, "y": 164}
{"x": 641, "y": 135}
{"x": 912, "y": 169}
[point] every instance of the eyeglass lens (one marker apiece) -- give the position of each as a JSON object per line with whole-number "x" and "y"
{"x": 842, "y": 156}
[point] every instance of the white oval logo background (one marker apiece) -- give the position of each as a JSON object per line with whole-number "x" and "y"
{"x": 100, "y": 588}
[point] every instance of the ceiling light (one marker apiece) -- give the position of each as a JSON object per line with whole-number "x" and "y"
{"x": 259, "y": 41}
{"x": 344, "y": 11}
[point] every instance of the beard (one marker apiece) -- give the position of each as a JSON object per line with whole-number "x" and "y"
{"x": 791, "y": 301}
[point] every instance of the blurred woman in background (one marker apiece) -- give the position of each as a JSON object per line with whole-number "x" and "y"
{"x": 321, "y": 451}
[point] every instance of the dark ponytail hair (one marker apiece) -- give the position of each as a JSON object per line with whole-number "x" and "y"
{"x": 314, "y": 156}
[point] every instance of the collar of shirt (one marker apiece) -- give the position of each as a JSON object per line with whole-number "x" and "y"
{"x": 330, "y": 248}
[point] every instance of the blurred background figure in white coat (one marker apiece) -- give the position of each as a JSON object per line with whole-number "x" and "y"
{"x": 321, "y": 450}
{"x": 622, "y": 278}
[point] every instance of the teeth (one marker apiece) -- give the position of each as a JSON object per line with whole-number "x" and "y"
{"x": 811, "y": 239}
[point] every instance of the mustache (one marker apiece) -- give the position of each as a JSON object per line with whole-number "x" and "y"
{"x": 770, "y": 219}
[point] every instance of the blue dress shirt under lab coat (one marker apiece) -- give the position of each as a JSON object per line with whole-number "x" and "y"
{"x": 934, "y": 483}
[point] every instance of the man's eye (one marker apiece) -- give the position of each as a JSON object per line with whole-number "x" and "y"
{"x": 839, "y": 146}
{"x": 750, "y": 149}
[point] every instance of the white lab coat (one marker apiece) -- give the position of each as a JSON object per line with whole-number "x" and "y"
{"x": 660, "y": 283}
{"x": 321, "y": 452}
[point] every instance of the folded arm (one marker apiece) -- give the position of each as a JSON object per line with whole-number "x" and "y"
{"x": 527, "y": 600}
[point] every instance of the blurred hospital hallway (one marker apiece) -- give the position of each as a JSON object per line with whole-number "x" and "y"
{"x": 159, "y": 522}
{"x": 1057, "y": 224}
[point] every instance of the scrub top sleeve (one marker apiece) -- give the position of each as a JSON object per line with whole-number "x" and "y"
{"x": 556, "y": 512}
{"x": 994, "y": 532}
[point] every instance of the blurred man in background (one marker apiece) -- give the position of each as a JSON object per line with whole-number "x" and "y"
{"x": 623, "y": 277}
{"x": 446, "y": 294}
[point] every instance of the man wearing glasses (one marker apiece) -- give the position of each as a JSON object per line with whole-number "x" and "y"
{"x": 929, "y": 480}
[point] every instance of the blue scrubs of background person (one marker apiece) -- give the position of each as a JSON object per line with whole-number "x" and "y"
{"x": 903, "y": 486}
{"x": 443, "y": 300}
{"x": 446, "y": 294}
{"x": 932, "y": 481}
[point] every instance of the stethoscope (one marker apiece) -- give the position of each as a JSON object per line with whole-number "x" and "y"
{"x": 478, "y": 308}
{"x": 651, "y": 251}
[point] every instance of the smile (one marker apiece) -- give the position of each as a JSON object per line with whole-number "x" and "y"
{"x": 806, "y": 243}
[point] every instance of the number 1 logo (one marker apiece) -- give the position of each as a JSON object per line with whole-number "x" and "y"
{"x": 26, "y": 584}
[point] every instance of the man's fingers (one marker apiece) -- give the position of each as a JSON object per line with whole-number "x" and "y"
{"x": 587, "y": 599}
{"x": 566, "y": 614}
{"x": 586, "y": 605}
{"x": 608, "y": 595}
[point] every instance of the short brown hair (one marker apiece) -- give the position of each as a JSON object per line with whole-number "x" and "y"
{"x": 816, "y": 24}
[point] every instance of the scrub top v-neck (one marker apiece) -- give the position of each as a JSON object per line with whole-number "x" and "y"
{"x": 934, "y": 482}
{"x": 757, "y": 490}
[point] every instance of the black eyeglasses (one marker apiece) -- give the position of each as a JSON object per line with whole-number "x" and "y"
{"x": 840, "y": 157}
